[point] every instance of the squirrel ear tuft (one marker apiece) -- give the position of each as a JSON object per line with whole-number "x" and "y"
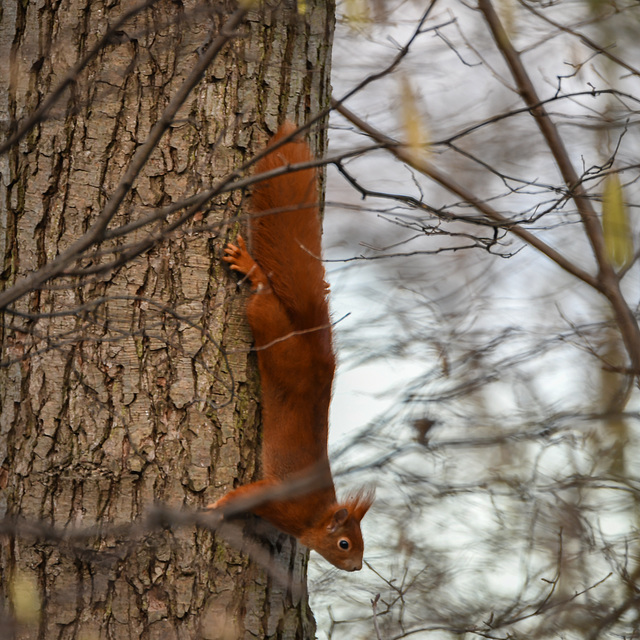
{"x": 339, "y": 518}
{"x": 359, "y": 503}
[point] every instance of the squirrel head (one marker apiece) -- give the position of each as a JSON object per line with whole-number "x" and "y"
{"x": 337, "y": 536}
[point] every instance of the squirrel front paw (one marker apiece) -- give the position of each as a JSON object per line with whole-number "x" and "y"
{"x": 240, "y": 260}
{"x": 239, "y": 257}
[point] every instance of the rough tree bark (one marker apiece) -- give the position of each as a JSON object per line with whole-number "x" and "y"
{"x": 143, "y": 389}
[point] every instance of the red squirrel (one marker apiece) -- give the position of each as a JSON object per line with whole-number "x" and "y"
{"x": 289, "y": 317}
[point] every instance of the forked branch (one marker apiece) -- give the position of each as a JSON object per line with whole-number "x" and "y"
{"x": 608, "y": 281}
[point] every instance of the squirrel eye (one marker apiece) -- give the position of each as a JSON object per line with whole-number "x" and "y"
{"x": 343, "y": 543}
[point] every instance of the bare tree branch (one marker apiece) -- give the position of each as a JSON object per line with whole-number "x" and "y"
{"x": 96, "y": 232}
{"x": 72, "y": 75}
{"x": 448, "y": 183}
{"x": 608, "y": 281}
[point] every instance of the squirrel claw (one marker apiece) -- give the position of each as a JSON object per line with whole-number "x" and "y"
{"x": 239, "y": 257}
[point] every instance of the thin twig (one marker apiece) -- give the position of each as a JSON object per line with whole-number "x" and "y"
{"x": 374, "y": 607}
{"x": 607, "y": 282}
{"x": 448, "y": 183}
{"x": 96, "y": 232}
{"x": 72, "y": 75}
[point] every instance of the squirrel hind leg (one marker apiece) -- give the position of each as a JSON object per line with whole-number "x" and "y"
{"x": 240, "y": 260}
{"x": 246, "y": 491}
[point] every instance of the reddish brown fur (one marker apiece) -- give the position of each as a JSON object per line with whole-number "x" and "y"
{"x": 289, "y": 317}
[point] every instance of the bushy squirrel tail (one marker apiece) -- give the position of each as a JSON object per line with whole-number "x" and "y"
{"x": 286, "y": 232}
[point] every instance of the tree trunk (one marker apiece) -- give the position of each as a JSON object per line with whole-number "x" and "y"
{"x": 138, "y": 387}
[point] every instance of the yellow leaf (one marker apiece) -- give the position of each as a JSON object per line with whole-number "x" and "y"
{"x": 599, "y": 7}
{"x": 356, "y": 13}
{"x": 615, "y": 223}
{"x": 415, "y": 130}
{"x": 506, "y": 12}
{"x": 25, "y": 598}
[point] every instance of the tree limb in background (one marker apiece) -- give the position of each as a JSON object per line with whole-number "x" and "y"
{"x": 608, "y": 282}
